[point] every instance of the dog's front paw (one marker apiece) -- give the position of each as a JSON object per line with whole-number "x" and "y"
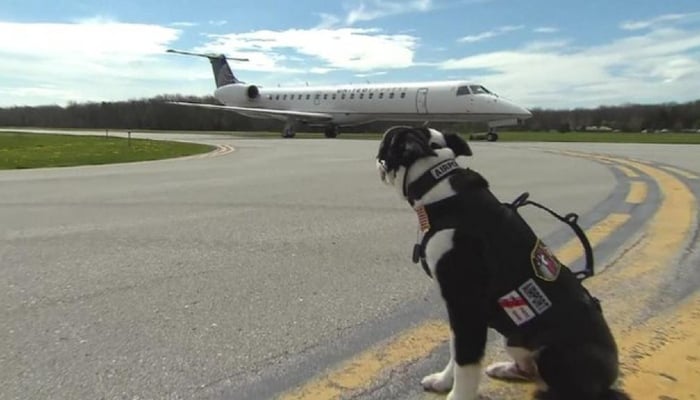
{"x": 438, "y": 382}
{"x": 508, "y": 371}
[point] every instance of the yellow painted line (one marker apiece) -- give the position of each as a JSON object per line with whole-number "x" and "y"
{"x": 637, "y": 193}
{"x": 681, "y": 172}
{"x": 572, "y": 250}
{"x": 667, "y": 354}
{"x": 627, "y": 171}
{"x": 361, "y": 371}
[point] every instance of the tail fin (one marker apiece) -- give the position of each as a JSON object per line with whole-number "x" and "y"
{"x": 222, "y": 72}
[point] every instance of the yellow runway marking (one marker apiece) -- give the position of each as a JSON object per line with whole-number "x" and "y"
{"x": 572, "y": 250}
{"x": 627, "y": 171}
{"x": 681, "y": 172}
{"x": 667, "y": 354}
{"x": 361, "y": 371}
{"x": 637, "y": 193}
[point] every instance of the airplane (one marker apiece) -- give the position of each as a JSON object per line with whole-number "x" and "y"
{"x": 346, "y": 105}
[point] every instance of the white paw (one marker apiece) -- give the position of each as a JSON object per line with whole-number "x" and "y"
{"x": 509, "y": 371}
{"x": 437, "y": 382}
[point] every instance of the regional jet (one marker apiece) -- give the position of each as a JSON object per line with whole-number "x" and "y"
{"x": 346, "y": 105}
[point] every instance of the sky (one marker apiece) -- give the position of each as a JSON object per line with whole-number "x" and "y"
{"x": 539, "y": 53}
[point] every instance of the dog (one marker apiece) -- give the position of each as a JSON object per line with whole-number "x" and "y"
{"x": 494, "y": 272}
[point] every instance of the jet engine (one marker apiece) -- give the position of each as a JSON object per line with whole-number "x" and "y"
{"x": 252, "y": 92}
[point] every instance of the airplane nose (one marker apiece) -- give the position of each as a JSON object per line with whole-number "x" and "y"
{"x": 519, "y": 111}
{"x": 525, "y": 113}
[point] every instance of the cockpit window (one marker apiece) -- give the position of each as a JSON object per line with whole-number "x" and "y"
{"x": 462, "y": 90}
{"x": 478, "y": 89}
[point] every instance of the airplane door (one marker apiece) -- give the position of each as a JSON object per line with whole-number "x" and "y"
{"x": 422, "y": 101}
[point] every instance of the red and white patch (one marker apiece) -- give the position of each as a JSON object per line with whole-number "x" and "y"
{"x": 423, "y": 219}
{"x": 516, "y": 307}
{"x": 544, "y": 263}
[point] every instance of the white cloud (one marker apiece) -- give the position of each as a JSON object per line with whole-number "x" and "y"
{"x": 489, "y": 34}
{"x": 374, "y": 9}
{"x": 328, "y": 20}
{"x": 219, "y": 22}
{"x": 88, "y": 40}
{"x": 657, "y": 66}
{"x": 184, "y": 24}
{"x": 371, "y": 74}
{"x": 546, "y": 29}
{"x": 345, "y": 48}
{"x": 94, "y": 59}
{"x": 661, "y": 20}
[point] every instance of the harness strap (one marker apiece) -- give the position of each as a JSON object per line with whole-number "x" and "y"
{"x": 419, "y": 253}
{"x": 570, "y": 219}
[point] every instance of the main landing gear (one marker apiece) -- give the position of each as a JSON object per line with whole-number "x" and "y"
{"x": 492, "y": 135}
{"x": 331, "y": 131}
{"x": 289, "y": 131}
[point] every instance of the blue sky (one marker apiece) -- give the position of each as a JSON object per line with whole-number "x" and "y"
{"x": 540, "y": 53}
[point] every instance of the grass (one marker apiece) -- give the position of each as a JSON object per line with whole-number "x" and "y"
{"x": 20, "y": 150}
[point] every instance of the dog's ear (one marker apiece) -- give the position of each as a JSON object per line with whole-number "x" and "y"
{"x": 458, "y": 145}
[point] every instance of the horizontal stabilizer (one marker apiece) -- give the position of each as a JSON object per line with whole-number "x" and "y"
{"x": 207, "y": 55}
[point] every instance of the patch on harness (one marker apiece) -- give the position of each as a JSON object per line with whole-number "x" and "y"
{"x": 535, "y": 296}
{"x": 544, "y": 263}
{"x": 516, "y": 307}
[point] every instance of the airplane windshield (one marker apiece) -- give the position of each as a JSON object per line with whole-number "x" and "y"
{"x": 462, "y": 90}
{"x": 478, "y": 89}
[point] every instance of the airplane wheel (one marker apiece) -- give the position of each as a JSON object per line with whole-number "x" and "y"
{"x": 331, "y": 131}
{"x": 492, "y": 136}
{"x": 288, "y": 134}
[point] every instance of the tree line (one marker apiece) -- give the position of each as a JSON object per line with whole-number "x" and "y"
{"x": 156, "y": 114}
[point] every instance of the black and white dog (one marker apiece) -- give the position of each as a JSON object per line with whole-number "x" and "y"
{"x": 493, "y": 271}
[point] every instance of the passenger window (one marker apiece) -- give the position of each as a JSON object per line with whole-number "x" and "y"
{"x": 308, "y": 97}
{"x": 325, "y": 96}
{"x": 371, "y": 95}
{"x": 381, "y": 96}
{"x": 403, "y": 95}
{"x": 277, "y": 97}
{"x": 352, "y": 96}
{"x": 362, "y": 96}
{"x": 333, "y": 97}
{"x": 342, "y": 96}
{"x": 284, "y": 97}
{"x": 391, "y": 95}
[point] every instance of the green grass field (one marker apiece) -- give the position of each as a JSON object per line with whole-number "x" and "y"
{"x": 27, "y": 150}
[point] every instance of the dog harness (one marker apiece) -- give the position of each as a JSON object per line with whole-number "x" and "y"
{"x": 439, "y": 215}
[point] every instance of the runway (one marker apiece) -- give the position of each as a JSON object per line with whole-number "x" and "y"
{"x": 263, "y": 269}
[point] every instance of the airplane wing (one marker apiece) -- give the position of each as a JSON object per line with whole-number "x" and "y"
{"x": 262, "y": 112}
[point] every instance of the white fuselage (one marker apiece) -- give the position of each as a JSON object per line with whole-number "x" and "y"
{"x": 356, "y": 104}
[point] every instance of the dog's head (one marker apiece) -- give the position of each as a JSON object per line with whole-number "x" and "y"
{"x": 402, "y": 146}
